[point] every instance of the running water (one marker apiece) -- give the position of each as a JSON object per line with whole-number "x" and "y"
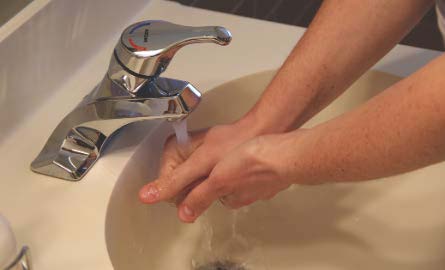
{"x": 237, "y": 240}
{"x": 224, "y": 246}
{"x": 235, "y": 246}
{"x": 182, "y": 135}
{"x": 206, "y": 252}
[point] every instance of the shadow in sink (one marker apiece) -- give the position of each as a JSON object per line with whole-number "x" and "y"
{"x": 372, "y": 225}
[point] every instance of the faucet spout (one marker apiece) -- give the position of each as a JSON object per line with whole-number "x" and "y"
{"x": 77, "y": 142}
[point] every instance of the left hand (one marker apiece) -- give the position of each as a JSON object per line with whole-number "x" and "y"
{"x": 181, "y": 170}
{"x": 252, "y": 171}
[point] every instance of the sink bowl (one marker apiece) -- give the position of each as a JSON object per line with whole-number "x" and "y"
{"x": 393, "y": 224}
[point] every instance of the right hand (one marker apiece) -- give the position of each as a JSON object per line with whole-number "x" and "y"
{"x": 182, "y": 170}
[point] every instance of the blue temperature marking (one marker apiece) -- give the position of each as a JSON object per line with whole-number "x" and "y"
{"x": 139, "y": 26}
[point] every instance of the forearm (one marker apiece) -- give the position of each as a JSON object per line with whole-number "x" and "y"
{"x": 399, "y": 130}
{"x": 343, "y": 41}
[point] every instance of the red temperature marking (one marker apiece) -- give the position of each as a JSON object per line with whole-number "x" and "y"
{"x": 137, "y": 47}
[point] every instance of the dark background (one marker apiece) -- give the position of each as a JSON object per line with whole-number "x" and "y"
{"x": 300, "y": 12}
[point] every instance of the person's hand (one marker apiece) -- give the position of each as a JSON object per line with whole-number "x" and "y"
{"x": 253, "y": 171}
{"x": 182, "y": 169}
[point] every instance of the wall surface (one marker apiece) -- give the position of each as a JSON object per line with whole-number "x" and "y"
{"x": 9, "y": 8}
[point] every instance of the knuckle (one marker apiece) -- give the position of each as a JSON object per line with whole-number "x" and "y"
{"x": 173, "y": 177}
{"x": 168, "y": 186}
{"x": 221, "y": 188}
{"x": 233, "y": 202}
{"x": 253, "y": 151}
{"x": 166, "y": 183}
{"x": 198, "y": 200}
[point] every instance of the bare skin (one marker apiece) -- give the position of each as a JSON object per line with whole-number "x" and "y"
{"x": 399, "y": 130}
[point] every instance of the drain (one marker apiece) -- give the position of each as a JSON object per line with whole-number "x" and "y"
{"x": 221, "y": 265}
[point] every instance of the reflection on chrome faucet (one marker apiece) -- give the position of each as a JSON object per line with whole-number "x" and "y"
{"x": 131, "y": 91}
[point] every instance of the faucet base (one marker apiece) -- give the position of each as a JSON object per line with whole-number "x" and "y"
{"x": 78, "y": 140}
{"x": 78, "y": 152}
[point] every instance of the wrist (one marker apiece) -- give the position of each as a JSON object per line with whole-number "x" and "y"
{"x": 252, "y": 125}
{"x": 261, "y": 123}
{"x": 300, "y": 157}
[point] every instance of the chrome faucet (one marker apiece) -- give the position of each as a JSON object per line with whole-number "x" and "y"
{"x": 131, "y": 91}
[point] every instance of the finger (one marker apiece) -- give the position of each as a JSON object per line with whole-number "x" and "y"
{"x": 234, "y": 201}
{"x": 172, "y": 156}
{"x": 199, "y": 200}
{"x": 166, "y": 187}
{"x": 180, "y": 197}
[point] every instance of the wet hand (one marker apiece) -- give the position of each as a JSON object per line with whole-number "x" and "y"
{"x": 253, "y": 171}
{"x": 182, "y": 170}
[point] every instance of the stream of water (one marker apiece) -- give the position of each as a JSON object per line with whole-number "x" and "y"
{"x": 234, "y": 241}
{"x": 182, "y": 135}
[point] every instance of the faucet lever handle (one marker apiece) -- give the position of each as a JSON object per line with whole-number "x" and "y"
{"x": 146, "y": 48}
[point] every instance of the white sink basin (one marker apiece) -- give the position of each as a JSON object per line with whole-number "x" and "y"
{"x": 392, "y": 224}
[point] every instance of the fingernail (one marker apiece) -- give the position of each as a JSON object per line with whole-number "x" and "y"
{"x": 188, "y": 212}
{"x": 149, "y": 194}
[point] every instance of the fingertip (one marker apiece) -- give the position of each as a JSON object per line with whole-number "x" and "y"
{"x": 149, "y": 194}
{"x": 196, "y": 202}
{"x": 186, "y": 214}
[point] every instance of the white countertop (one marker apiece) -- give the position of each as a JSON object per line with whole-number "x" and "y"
{"x": 63, "y": 222}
